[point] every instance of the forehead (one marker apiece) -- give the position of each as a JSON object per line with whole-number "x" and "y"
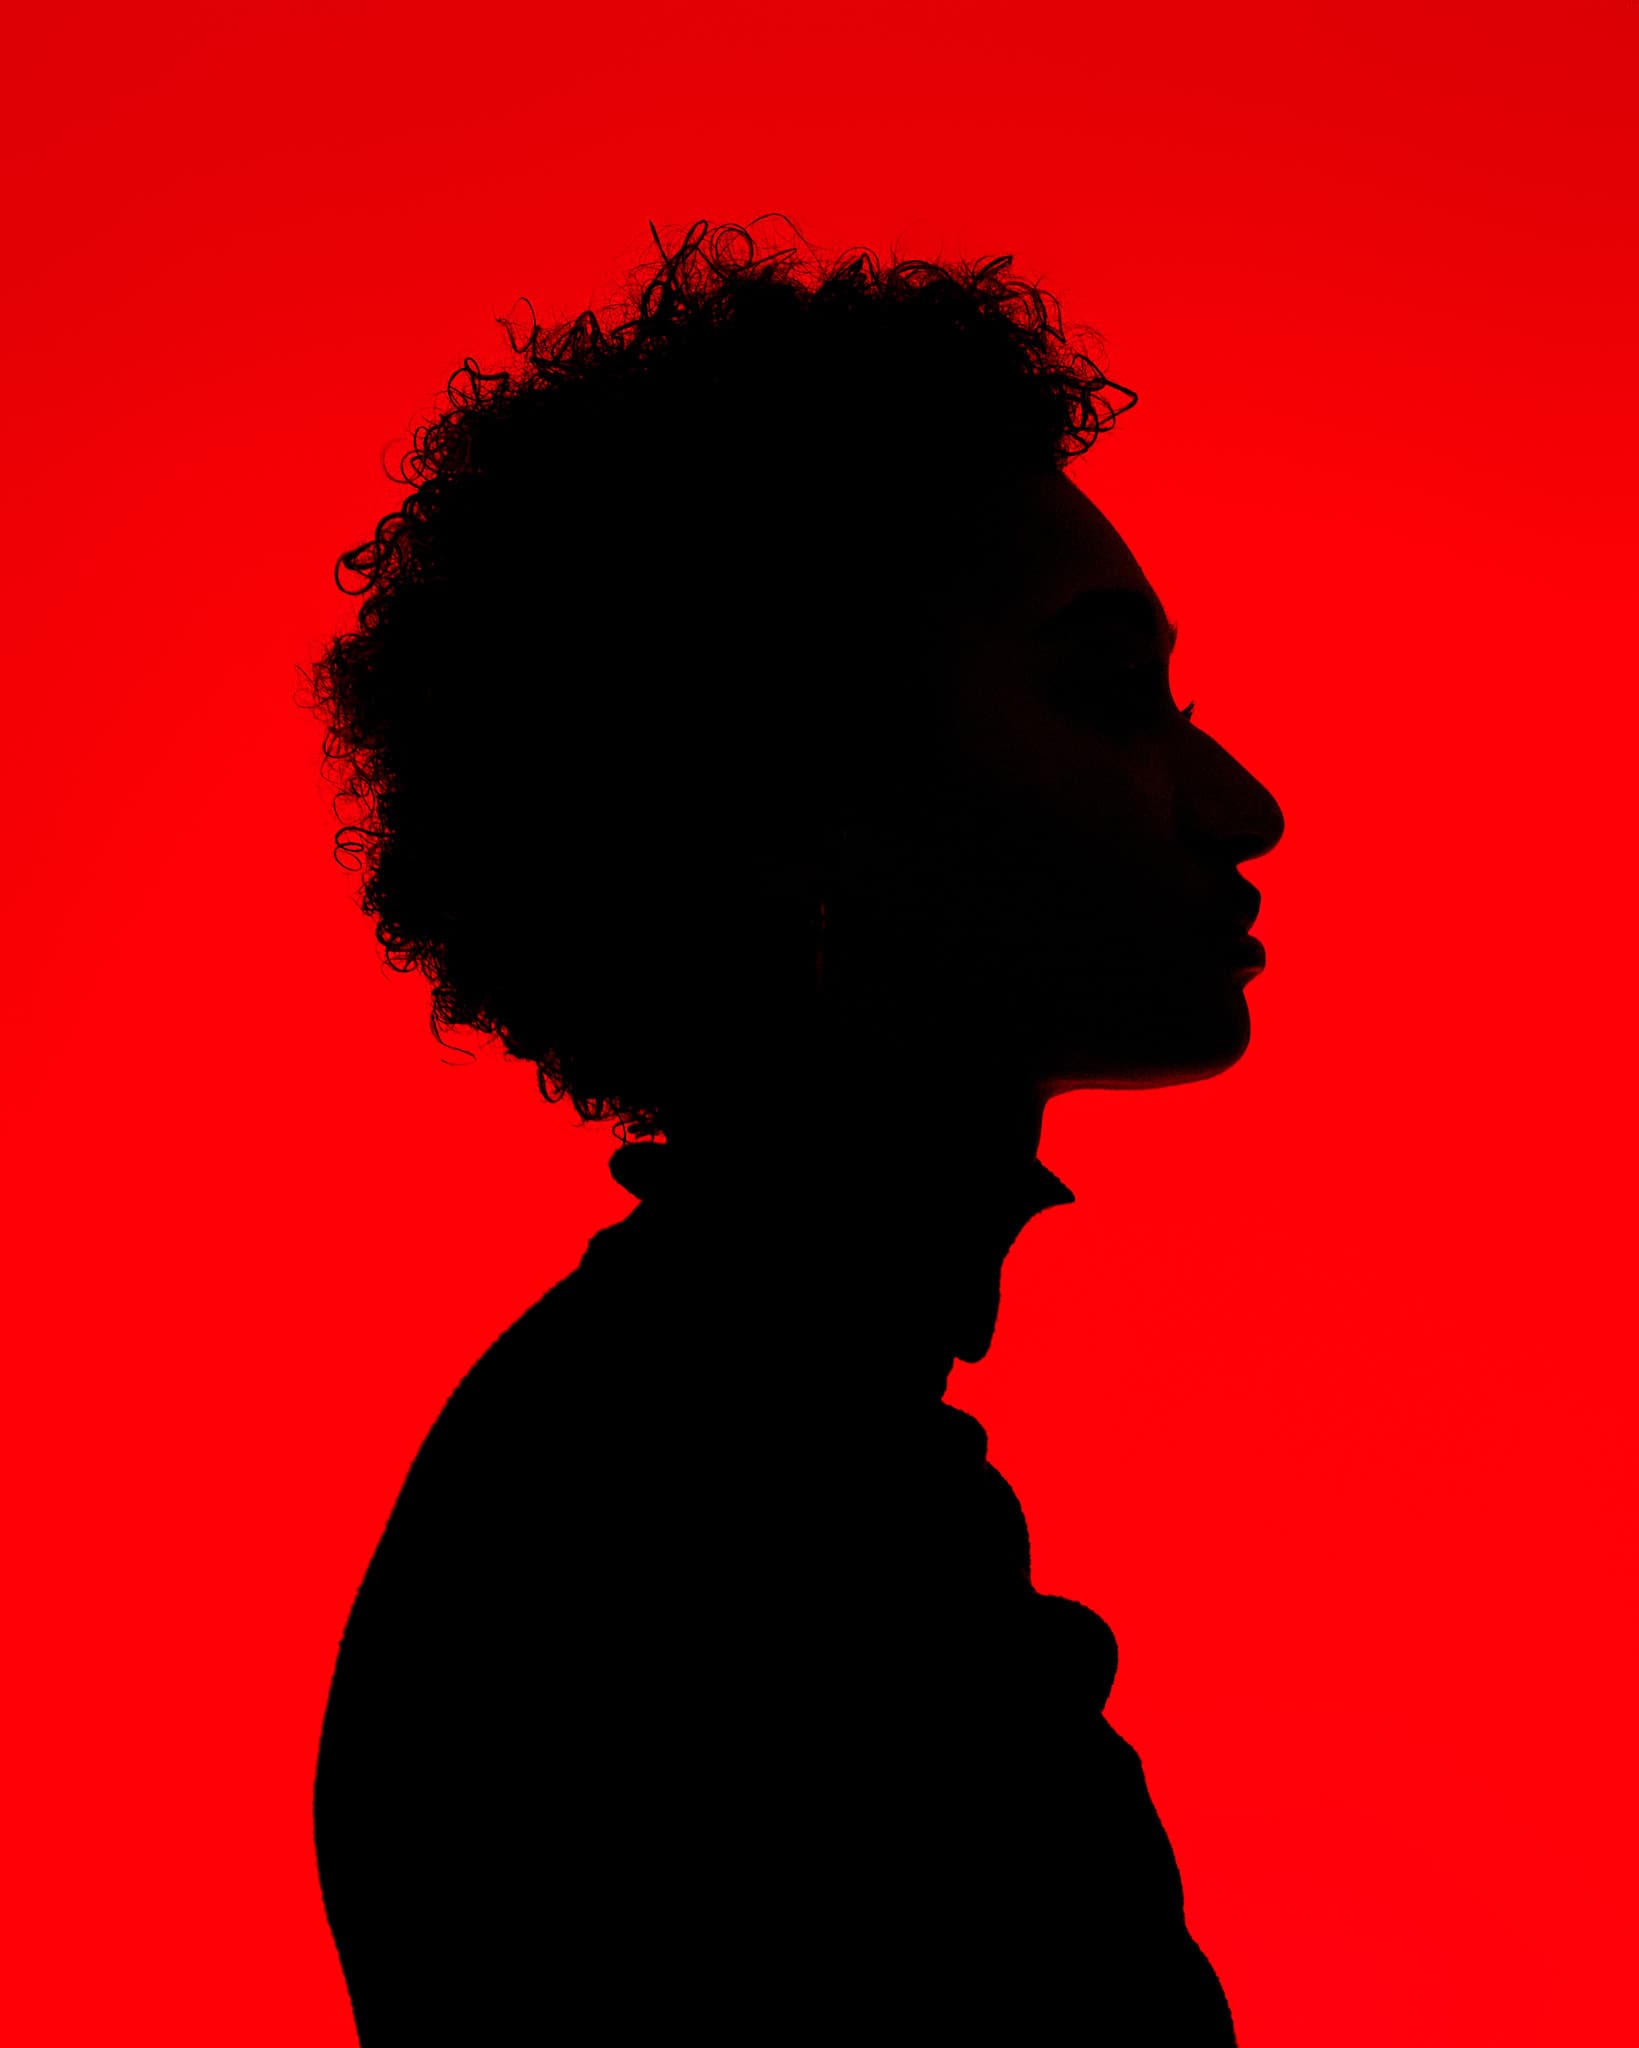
{"x": 1050, "y": 545}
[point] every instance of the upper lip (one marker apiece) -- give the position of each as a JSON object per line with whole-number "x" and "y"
{"x": 1247, "y": 904}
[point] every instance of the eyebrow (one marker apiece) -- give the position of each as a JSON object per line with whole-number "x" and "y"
{"x": 1094, "y": 611}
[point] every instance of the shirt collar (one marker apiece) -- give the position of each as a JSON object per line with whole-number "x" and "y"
{"x": 646, "y": 1168}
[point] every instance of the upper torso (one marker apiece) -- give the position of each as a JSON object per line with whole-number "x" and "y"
{"x": 700, "y": 1680}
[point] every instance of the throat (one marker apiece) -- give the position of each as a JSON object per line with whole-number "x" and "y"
{"x": 882, "y": 1251}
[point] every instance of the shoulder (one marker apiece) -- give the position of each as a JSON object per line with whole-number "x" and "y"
{"x": 484, "y": 1472}
{"x": 539, "y": 1380}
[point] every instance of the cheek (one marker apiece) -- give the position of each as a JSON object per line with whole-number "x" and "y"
{"x": 1056, "y": 853}
{"x": 1047, "y": 774}
{"x": 1091, "y": 849}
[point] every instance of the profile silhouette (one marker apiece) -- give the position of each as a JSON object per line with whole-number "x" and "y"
{"x": 750, "y": 722}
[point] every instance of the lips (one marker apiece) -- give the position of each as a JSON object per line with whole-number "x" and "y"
{"x": 1248, "y": 902}
{"x": 1242, "y": 950}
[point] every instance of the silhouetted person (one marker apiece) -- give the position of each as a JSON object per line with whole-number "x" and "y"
{"x": 751, "y": 723}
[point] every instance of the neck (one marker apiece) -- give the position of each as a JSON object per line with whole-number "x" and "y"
{"x": 891, "y": 1234}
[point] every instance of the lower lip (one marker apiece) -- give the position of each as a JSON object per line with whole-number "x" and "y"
{"x": 1247, "y": 952}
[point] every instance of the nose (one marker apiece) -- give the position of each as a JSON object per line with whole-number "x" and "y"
{"x": 1230, "y": 807}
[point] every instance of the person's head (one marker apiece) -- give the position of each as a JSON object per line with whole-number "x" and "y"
{"x": 754, "y": 602}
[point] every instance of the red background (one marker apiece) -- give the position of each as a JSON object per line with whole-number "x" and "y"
{"x": 1319, "y": 1391}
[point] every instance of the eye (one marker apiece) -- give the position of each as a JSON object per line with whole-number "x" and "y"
{"x": 1120, "y": 695}
{"x": 1188, "y": 712}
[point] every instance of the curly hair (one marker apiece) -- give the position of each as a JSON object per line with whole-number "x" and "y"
{"x": 654, "y": 587}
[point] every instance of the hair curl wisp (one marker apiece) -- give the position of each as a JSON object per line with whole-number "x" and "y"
{"x": 654, "y": 584}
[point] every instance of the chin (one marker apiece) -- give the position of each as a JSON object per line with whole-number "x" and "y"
{"x": 1171, "y": 1044}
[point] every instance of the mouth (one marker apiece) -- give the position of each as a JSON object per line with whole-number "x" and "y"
{"x": 1243, "y": 957}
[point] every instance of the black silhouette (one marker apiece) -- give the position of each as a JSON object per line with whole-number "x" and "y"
{"x": 751, "y": 724}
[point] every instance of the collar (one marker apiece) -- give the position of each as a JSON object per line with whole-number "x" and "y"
{"x": 646, "y": 1168}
